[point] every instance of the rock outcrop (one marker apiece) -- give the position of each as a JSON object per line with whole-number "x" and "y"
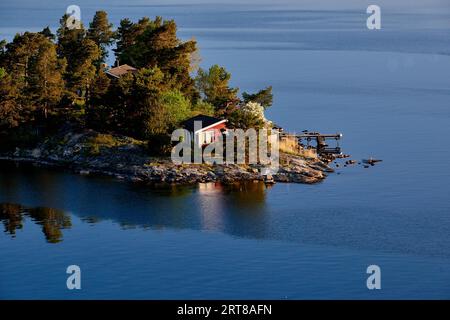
{"x": 127, "y": 159}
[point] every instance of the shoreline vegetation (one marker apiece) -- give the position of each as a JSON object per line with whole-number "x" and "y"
{"x": 61, "y": 105}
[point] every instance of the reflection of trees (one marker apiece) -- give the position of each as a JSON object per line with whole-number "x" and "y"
{"x": 11, "y": 216}
{"x": 51, "y": 220}
{"x": 170, "y": 190}
{"x": 246, "y": 208}
{"x": 91, "y": 219}
{"x": 248, "y": 194}
{"x": 238, "y": 208}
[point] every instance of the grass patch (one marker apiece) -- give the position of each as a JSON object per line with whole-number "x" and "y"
{"x": 289, "y": 145}
{"x": 96, "y": 143}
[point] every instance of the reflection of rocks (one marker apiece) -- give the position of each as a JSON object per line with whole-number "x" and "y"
{"x": 126, "y": 159}
{"x": 51, "y": 220}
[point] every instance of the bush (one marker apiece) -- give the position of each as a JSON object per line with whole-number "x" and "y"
{"x": 177, "y": 106}
{"x": 21, "y": 137}
{"x": 250, "y": 115}
{"x": 202, "y": 107}
{"x": 159, "y": 145}
{"x": 95, "y": 143}
{"x": 105, "y": 140}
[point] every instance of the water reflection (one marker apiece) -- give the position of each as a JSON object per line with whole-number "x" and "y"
{"x": 237, "y": 209}
{"x": 52, "y": 221}
{"x": 211, "y": 206}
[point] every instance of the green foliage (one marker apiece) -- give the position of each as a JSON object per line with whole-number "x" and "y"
{"x": 19, "y": 54}
{"x": 154, "y": 43}
{"x": 214, "y": 86}
{"x": 250, "y": 115}
{"x": 82, "y": 54}
{"x": 83, "y": 70}
{"x": 35, "y": 75}
{"x": 68, "y": 39}
{"x": 103, "y": 140}
{"x": 44, "y": 84}
{"x": 46, "y": 32}
{"x": 202, "y": 107}
{"x": 177, "y": 107}
{"x": 98, "y": 115}
{"x": 100, "y": 85}
{"x": 2, "y": 46}
{"x": 159, "y": 144}
{"x": 24, "y": 136}
{"x": 242, "y": 120}
{"x": 124, "y": 37}
{"x": 11, "y": 114}
{"x": 95, "y": 144}
{"x": 264, "y": 97}
{"x": 100, "y": 31}
{"x": 140, "y": 104}
{"x": 120, "y": 101}
{"x": 3, "y": 53}
{"x": 148, "y": 116}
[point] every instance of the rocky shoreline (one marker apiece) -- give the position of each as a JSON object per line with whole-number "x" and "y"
{"x": 126, "y": 159}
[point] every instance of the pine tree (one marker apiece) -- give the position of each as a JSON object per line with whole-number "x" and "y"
{"x": 46, "y": 76}
{"x": 10, "y": 111}
{"x": 3, "y": 54}
{"x": 46, "y": 32}
{"x": 81, "y": 55}
{"x": 214, "y": 86}
{"x": 99, "y": 113}
{"x": 68, "y": 39}
{"x": 36, "y": 71}
{"x": 124, "y": 38}
{"x": 154, "y": 43}
{"x": 100, "y": 31}
{"x": 263, "y": 97}
{"x": 129, "y": 44}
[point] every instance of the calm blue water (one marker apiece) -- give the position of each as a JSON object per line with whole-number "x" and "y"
{"x": 387, "y": 91}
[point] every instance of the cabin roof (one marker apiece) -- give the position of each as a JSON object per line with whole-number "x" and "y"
{"x": 120, "y": 70}
{"x": 207, "y": 122}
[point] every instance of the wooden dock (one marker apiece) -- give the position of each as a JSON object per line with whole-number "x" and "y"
{"x": 305, "y": 139}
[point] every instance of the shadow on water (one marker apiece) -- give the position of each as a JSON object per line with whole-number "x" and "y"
{"x": 236, "y": 209}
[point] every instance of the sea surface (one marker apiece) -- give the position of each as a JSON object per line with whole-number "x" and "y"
{"x": 387, "y": 91}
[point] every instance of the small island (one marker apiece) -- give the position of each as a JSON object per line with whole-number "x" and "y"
{"x": 62, "y": 105}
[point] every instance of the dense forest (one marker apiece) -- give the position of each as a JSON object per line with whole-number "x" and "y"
{"x": 49, "y": 80}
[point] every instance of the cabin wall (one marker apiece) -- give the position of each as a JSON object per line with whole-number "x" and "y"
{"x": 212, "y": 134}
